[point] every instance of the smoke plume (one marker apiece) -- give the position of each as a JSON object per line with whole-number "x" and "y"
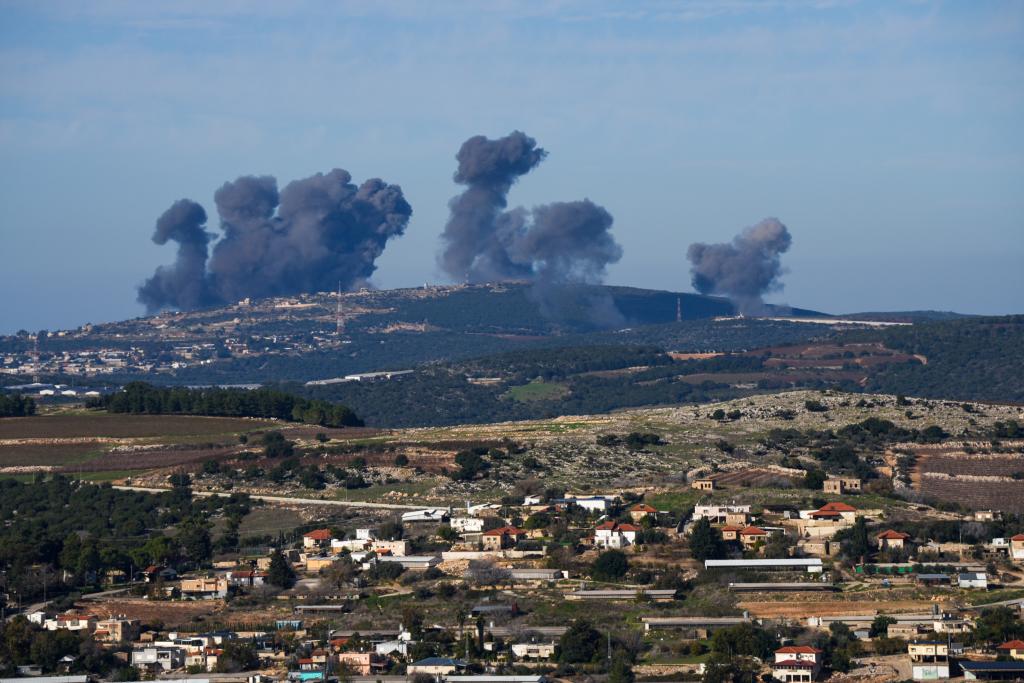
{"x": 312, "y": 235}
{"x": 744, "y": 269}
{"x": 563, "y": 243}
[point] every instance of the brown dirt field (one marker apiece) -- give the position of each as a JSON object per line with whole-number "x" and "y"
{"x": 150, "y": 611}
{"x": 147, "y": 460}
{"x": 124, "y": 426}
{"x": 751, "y": 477}
{"x": 808, "y": 608}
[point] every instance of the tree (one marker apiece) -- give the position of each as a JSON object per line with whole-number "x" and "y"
{"x": 621, "y": 670}
{"x": 579, "y": 643}
{"x": 610, "y": 565}
{"x": 237, "y": 657}
{"x": 280, "y": 573}
{"x": 706, "y": 541}
{"x": 194, "y": 538}
{"x": 857, "y": 544}
{"x": 743, "y": 639}
{"x": 880, "y": 625}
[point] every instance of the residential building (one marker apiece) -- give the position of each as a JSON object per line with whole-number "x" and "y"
{"x": 1013, "y": 649}
{"x": 436, "y": 666}
{"x": 892, "y": 540}
{"x": 703, "y": 484}
{"x": 1017, "y": 548}
{"x": 751, "y": 536}
{"x": 204, "y": 588}
{"x": 615, "y": 535}
{"x": 929, "y": 660}
{"x": 842, "y": 485}
{"x": 717, "y": 514}
{"x": 731, "y": 532}
{"x": 533, "y": 650}
{"x": 361, "y": 663}
{"x": 315, "y": 563}
{"x": 159, "y": 658}
{"x": 467, "y": 525}
{"x": 972, "y": 580}
{"x": 502, "y": 538}
{"x": 592, "y": 503}
{"x": 246, "y": 578}
{"x": 833, "y": 512}
{"x": 398, "y": 548}
{"x": 116, "y": 630}
{"x": 317, "y": 538}
{"x": 797, "y": 664}
{"x": 71, "y": 621}
{"x": 641, "y": 510}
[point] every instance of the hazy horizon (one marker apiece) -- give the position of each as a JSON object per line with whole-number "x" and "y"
{"x": 886, "y": 136}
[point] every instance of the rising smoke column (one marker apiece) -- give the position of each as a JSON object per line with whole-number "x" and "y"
{"x": 184, "y": 283}
{"x": 558, "y": 244}
{"x": 312, "y": 235}
{"x": 744, "y": 269}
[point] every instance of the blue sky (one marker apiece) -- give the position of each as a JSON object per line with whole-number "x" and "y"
{"x": 888, "y": 136}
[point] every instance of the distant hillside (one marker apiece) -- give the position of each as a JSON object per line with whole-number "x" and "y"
{"x": 974, "y": 358}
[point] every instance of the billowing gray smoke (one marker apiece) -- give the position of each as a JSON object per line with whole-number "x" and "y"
{"x": 563, "y": 243}
{"x": 185, "y": 282}
{"x": 744, "y": 269}
{"x": 316, "y": 233}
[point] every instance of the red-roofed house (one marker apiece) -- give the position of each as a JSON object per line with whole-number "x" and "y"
{"x": 502, "y": 537}
{"x": 889, "y": 539}
{"x": 751, "y": 536}
{"x": 1017, "y": 548}
{"x": 615, "y": 535}
{"x": 795, "y": 663}
{"x": 835, "y": 512}
{"x": 731, "y": 532}
{"x": 1014, "y": 649}
{"x": 641, "y": 510}
{"x": 317, "y": 538}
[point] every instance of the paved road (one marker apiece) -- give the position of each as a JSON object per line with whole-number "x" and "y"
{"x": 283, "y": 500}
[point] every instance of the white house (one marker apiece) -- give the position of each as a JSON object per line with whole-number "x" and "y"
{"x": 467, "y": 525}
{"x": 797, "y": 663}
{"x": 615, "y": 535}
{"x": 165, "y": 658}
{"x": 973, "y": 580}
{"x": 718, "y": 514}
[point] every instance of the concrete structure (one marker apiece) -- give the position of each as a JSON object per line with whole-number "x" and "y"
{"x": 718, "y": 514}
{"x": 703, "y": 484}
{"x": 116, "y": 630}
{"x": 361, "y": 663}
{"x": 929, "y": 660}
{"x": 797, "y": 664}
{"x": 751, "y": 536}
{"x": 530, "y": 574}
{"x": 692, "y": 627}
{"x": 842, "y": 485}
{"x": 832, "y": 512}
{"x": 533, "y": 650}
{"x": 159, "y": 658}
{"x": 502, "y": 538}
{"x": 992, "y": 671}
{"x": 413, "y": 562}
{"x": 655, "y": 594}
{"x": 811, "y": 564}
{"x": 972, "y": 580}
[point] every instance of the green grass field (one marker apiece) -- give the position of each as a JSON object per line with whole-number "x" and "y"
{"x": 537, "y": 391}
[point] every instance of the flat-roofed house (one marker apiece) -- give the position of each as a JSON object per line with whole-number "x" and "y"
{"x": 841, "y": 485}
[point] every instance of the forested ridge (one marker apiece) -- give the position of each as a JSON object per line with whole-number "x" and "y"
{"x": 975, "y": 358}
{"x": 143, "y": 398}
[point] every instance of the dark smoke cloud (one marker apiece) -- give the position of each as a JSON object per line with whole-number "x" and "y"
{"x": 744, "y": 269}
{"x": 184, "y": 282}
{"x": 312, "y": 235}
{"x": 557, "y": 244}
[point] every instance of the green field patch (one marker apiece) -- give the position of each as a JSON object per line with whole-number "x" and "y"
{"x": 537, "y": 391}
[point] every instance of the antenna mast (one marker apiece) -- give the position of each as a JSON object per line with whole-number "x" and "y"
{"x": 679, "y": 309}
{"x": 337, "y": 314}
